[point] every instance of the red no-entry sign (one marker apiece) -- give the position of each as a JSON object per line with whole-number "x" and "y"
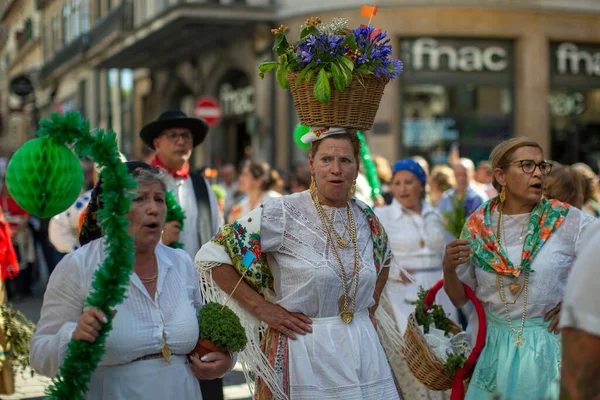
{"x": 209, "y": 109}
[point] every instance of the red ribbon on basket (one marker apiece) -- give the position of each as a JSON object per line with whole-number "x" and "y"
{"x": 458, "y": 390}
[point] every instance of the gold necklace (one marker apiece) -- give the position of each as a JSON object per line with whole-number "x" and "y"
{"x": 346, "y": 312}
{"x": 152, "y": 278}
{"x": 421, "y": 240}
{"x": 341, "y": 242}
{"x": 519, "y": 339}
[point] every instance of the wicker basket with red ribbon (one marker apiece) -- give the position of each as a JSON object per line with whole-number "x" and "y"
{"x": 426, "y": 366}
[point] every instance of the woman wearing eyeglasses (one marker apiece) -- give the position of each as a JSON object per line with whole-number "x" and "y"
{"x": 516, "y": 252}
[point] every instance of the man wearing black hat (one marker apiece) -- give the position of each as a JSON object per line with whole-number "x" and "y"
{"x": 173, "y": 136}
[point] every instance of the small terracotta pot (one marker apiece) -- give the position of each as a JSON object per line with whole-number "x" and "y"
{"x": 205, "y": 346}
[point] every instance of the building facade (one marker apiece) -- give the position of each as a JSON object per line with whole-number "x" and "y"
{"x": 477, "y": 73}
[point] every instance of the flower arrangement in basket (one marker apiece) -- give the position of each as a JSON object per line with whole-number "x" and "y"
{"x": 17, "y": 331}
{"x": 336, "y": 75}
{"x": 220, "y": 330}
{"x": 436, "y": 348}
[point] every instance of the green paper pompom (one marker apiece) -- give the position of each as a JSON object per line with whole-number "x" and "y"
{"x": 44, "y": 177}
{"x": 300, "y": 131}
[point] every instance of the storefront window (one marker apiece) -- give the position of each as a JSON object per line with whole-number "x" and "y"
{"x": 455, "y": 93}
{"x": 574, "y": 103}
{"x": 438, "y": 117}
{"x": 575, "y": 126}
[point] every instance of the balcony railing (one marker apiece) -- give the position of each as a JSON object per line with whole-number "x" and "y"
{"x": 114, "y": 21}
{"x": 148, "y": 10}
{"x": 64, "y": 55}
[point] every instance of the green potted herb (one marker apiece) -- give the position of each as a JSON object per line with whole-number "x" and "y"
{"x": 220, "y": 330}
{"x": 18, "y": 331}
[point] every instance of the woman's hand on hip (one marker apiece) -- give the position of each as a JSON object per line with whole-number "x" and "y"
{"x": 555, "y": 315}
{"x": 284, "y": 321}
{"x": 88, "y": 327}
{"x": 457, "y": 252}
{"x": 210, "y": 366}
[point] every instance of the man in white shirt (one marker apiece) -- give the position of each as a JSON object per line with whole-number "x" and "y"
{"x": 173, "y": 136}
{"x": 580, "y": 323}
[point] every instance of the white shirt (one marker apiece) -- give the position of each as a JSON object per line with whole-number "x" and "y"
{"x": 551, "y": 265}
{"x": 140, "y": 320}
{"x": 183, "y": 189}
{"x": 581, "y": 306}
{"x": 406, "y": 229}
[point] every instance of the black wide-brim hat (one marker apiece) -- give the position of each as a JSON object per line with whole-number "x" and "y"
{"x": 174, "y": 119}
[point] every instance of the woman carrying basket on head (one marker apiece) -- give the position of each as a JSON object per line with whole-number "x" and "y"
{"x": 314, "y": 265}
{"x": 516, "y": 252}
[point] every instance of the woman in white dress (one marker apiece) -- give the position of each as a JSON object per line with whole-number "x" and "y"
{"x": 417, "y": 241}
{"x": 515, "y": 253}
{"x": 314, "y": 265}
{"x": 154, "y": 328}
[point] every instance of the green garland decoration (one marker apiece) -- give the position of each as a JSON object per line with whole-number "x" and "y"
{"x": 112, "y": 279}
{"x": 174, "y": 213}
{"x": 369, "y": 166}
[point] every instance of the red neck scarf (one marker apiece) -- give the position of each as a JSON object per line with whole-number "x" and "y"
{"x": 182, "y": 173}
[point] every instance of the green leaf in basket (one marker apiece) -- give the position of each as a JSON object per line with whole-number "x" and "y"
{"x": 308, "y": 31}
{"x": 348, "y": 63}
{"x": 346, "y": 72}
{"x": 266, "y": 66}
{"x": 363, "y": 69}
{"x": 301, "y": 75}
{"x": 281, "y": 78}
{"x": 339, "y": 79}
{"x": 322, "y": 90}
{"x": 309, "y": 75}
{"x": 349, "y": 40}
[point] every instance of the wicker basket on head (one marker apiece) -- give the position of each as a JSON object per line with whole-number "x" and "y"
{"x": 427, "y": 367}
{"x": 355, "y": 107}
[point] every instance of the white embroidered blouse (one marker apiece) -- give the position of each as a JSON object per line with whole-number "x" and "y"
{"x": 306, "y": 272}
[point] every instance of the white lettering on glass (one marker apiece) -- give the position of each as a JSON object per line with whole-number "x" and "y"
{"x": 569, "y": 60}
{"x": 426, "y": 52}
{"x": 236, "y": 102}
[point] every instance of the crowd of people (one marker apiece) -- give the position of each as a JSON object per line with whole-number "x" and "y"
{"x": 522, "y": 230}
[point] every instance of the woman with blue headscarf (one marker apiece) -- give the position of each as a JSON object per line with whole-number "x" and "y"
{"x": 417, "y": 239}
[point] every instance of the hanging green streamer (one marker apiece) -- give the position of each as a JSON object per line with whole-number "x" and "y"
{"x": 369, "y": 166}
{"x": 174, "y": 213}
{"x": 112, "y": 278}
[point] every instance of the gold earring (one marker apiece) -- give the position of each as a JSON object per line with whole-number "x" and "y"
{"x": 353, "y": 190}
{"x": 313, "y": 186}
{"x": 502, "y": 194}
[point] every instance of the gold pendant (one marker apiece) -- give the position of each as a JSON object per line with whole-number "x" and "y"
{"x": 514, "y": 288}
{"x": 422, "y": 243}
{"x": 347, "y": 316}
{"x": 342, "y": 243}
{"x": 166, "y": 353}
{"x": 519, "y": 341}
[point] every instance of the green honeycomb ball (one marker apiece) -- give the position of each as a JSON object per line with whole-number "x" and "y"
{"x": 44, "y": 177}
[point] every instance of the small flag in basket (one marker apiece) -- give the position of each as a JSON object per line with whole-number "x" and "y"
{"x": 368, "y": 11}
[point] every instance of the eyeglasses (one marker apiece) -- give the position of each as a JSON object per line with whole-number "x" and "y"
{"x": 529, "y": 166}
{"x": 174, "y": 136}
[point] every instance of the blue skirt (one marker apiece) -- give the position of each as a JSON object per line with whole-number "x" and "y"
{"x": 506, "y": 372}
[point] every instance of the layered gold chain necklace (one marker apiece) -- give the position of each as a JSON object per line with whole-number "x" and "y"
{"x": 346, "y": 304}
{"x": 519, "y": 339}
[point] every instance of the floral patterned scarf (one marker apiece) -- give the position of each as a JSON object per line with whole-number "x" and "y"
{"x": 490, "y": 256}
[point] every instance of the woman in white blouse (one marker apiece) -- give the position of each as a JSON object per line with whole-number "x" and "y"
{"x": 520, "y": 247}
{"x": 417, "y": 240}
{"x": 155, "y": 327}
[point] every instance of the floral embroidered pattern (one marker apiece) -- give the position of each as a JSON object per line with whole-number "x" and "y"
{"x": 490, "y": 256}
